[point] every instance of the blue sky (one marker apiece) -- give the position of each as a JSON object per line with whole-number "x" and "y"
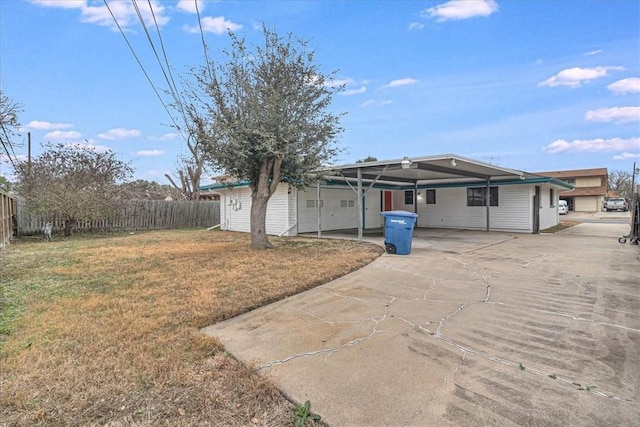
{"x": 529, "y": 85}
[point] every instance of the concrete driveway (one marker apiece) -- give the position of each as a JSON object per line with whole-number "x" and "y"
{"x": 471, "y": 329}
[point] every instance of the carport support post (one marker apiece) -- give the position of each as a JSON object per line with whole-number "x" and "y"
{"x": 488, "y": 200}
{"x": 360, "y": 213}
{"x": 415, "y": 197}
{"x": 319, "y": 210}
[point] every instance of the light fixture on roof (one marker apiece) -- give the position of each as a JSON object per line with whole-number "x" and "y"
{"x": 453, "y": 163}
{"x": 406, "y": 163}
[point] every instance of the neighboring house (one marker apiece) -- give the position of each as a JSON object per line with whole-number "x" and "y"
{"x": 590, "y": 188}
{"x": 446, "y": 191}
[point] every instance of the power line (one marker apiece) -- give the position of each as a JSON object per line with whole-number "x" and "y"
{"x": 204, "y": 44}
{"x": 8, "y": 141}
{"x": 172, "y": 84}
{"x": 142, "y": 68}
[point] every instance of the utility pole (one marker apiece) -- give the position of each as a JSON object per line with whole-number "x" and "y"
{"x": 29, "y": 152}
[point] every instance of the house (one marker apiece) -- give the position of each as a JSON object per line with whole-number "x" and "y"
{"x": 590, "y": 188}
{"x": 446, "y": 191}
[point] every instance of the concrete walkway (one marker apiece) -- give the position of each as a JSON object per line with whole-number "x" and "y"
{"x": 471, "y": 329}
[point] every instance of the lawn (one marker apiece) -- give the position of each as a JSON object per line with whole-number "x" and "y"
{"x": 105, "y": 330}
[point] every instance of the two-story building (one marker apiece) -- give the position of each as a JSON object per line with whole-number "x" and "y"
{"x": 590, "y": 188}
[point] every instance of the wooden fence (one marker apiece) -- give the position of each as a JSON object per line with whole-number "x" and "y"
{"x": 136, "y": 215}
{"x": 7, "y": 212}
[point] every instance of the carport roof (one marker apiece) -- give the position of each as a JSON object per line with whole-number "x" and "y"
{"x": 410, "y": 172}
{"x": 421, "y": 170}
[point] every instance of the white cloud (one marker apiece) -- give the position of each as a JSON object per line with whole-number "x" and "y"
{"x": 217, "y": 25}
{"x": 120, "y": 133}
{"x": 348, "y": 92}
{"x": 593, "y": 52}
{"x": 63, "y": 4}
{"x": 627, "y": 156}
{"x": 124, "y": 12}
{"x": 42, "y": 125}
{"x": 401, "y": 82}
{"x": 58, "y": 135}
{"x": 624, "y": 86}
{"x": 416, "y": 26}
{"x": 614, "y": 114}
{"x": 574, "y": 77}
{"x": 189, "y": 6}
{"x": 598, "y": 145}
{"x": 148, "y": 153}
{"x": 455, "y": 10}
{"x": 375, "y": 103}
{"x": 165, "y": 137}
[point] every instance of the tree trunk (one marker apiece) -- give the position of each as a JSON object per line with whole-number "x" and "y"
{"x": 261, "y": 192}
{"x": 68, "y": 227}
{"x": 259, "y": 238}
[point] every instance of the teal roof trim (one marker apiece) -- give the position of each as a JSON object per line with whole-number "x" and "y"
{"x": 536, "y": 180}
{"x": 532, "y": 180}
{"x": 224, "y": 185}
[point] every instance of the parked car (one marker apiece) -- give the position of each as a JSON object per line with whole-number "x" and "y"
{"x": 616, "y": 204}
{"x": 563, "y": 207}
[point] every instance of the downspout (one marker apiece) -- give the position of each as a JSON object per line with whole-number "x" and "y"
{"x": 360, "y": 222}
{"x": 287, "y": 230}
{"x": 319, "y": 210}
{"x": 415, "y": 197}
{"x": 488, "y": 195}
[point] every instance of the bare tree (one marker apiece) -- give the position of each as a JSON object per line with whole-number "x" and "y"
{"x": 620, "y": 182}
{"x": 190, "y": 169}
{"x": 72, "y": 182}
{"x": 9, "y": 124}
{"x": 264, "y": 118}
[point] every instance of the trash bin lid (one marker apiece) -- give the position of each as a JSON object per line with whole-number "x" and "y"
{"x": 399, "y": 213}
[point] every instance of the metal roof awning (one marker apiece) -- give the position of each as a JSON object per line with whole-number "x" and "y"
{"x": 422, "y": 170}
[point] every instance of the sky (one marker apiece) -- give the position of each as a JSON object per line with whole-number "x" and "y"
{"x": 530, "y": 85}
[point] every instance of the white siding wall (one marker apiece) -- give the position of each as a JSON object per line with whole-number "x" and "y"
{"x": 451, "y": 211}
{"x": 293, "y": 212}
{"x": 398, "y": 201}
{"x": 278, "y": 210}
{"x": 235, "y": 210}
{"x": 286, "y": 208}
{"x": 334, "y": 216}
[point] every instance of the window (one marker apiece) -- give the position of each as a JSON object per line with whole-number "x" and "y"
{"x": 552, "y": 198}
{"x": 408, "y": 197}
{"x": 347, "y": 203}
{"x": 314, "y": 203}
{"x": 477, "y": 196}
{"x": 431, "y": 197}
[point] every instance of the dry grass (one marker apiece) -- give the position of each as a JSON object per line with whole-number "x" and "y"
{"x": 560, "y": 226}
{"x": 104, "y": 331}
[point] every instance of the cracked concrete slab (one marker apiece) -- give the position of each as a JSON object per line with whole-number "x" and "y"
{"x": 471, "y": 328}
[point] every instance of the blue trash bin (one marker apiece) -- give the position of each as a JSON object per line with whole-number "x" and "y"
{"x": 398, "y": 231}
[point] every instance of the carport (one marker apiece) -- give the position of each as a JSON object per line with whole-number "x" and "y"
{"x": 413, "y": 173}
